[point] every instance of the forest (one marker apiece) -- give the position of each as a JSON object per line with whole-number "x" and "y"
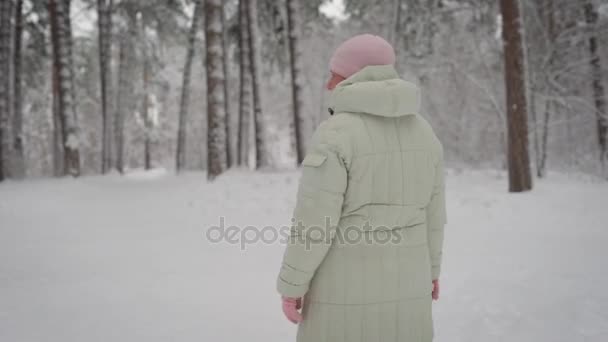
{"x": 151, "y": 159}
{"x": 93, "y": 87}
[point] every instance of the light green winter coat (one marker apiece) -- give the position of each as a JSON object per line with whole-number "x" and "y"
{"x": 369, "y": 219}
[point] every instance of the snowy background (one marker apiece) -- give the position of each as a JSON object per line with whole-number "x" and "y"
{"x": 125, "y": 256}
{"x": 126, "y": 259}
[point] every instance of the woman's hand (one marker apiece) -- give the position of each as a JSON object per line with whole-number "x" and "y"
{"x": 435, "y": 293}
{"x": 290, "y": 309}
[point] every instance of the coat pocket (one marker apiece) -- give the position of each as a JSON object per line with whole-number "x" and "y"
{"x": 314, "y": 160}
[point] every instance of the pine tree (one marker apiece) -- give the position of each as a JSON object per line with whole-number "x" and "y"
{"x": 5, "y": 84}
{"x": 244, "y": 118}
{"x": 104, "y": 23}
{"x": 18, "y": 162}
{"x": 216, "y": 138}
{"x": 186, "y": 80}
{"x": 261, "y": 152}
{"x": 518, "y": 159}
{"x": 599, "y": 96}
{"x": 296, "y": 92}
{"x": 127, "y": 65}
{"x": 226, "y": 92}
{"x": 64, "y": 85}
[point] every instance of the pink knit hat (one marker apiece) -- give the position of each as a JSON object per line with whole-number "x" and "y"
{"x": 359, "y": 52}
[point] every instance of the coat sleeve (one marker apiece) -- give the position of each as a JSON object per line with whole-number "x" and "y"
{"x": 436, "y": 217}
{"x": 317, "y": 212}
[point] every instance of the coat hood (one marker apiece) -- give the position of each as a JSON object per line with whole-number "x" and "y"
{"x": 376, "y": 90}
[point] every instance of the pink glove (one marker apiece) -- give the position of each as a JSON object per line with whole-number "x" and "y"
{"x": 290, "y": 309}
{"x": 435, "y": 293}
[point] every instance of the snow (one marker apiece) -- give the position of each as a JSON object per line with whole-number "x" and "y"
{"x": 334, "y": 9}
{"x": 111, "y": 258}
{"x": 72, "y": 142}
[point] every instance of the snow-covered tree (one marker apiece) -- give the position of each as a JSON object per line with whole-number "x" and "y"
{"x": 63, "y": 75}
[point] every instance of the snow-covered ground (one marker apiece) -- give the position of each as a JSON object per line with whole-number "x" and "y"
{"x": 127, "y": 259}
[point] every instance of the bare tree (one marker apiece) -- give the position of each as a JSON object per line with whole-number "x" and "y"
{"x": 244, "y": 117}
{"x": 599, "y": 97}
{"x": 518, "y": 158}
{"x": 216, "y": 139}
{"x": 104, "y": 23}
{"x": 186, "y": 80}
{"x": 5, "y": 65}
{"x": 296, "y": 92}
{"x": 261, "y": 152}
{"x": 64, "y": 84}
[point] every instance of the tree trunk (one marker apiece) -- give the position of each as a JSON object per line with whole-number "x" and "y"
{"x": 394, "y": 31}
{"x": 104, "y": 22}
{"x": 184, "y": 106}
{"x": 226, "y": 93}
{"x": 18, "y": 169}
{"x": 58, "y": 153}
{"x": 146, "y": 112}
{"x": 519, "y": 161}
{"x": 244, "y": 87}
{"x": 296, "y": 93}
{"x": 542, "y": 159}
{"x": 126, "y": 90}
{"x": 591, "y": 17}
{"x": 261, "y": 153}
{"x": 216, "y": 112}
{"x": 145, "y": 106}
{"x": 59, "y": 11}
{"x": 69, "y": 58}
{"x": 550, "y": 105}
{"x": 5, "y": 84}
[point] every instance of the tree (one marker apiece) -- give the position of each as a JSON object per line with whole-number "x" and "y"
{"x": 599, "y": 96}
{"x": 518, "y": 159}
{"x": 5, "y": 84}
{"x": 18, "y": 168}
{"x": 104, "y": 22}
{"x": 546, "y": 11}
{"x": 186, "y": 80}
{"x": 226, "y": 93}
{"x": 147, "y": 122}
{"x": 64, "y": 84}
{"x": 261, "y": 153}
{"x": 244, "y": 117}
{"x": 294, "y": 66}
{"x": 394, "y": 33}
{"x": 126, "y": 75}
{"x": 216, "y": 133}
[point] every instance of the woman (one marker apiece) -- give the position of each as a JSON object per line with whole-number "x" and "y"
{"x": 364, "y": 255}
